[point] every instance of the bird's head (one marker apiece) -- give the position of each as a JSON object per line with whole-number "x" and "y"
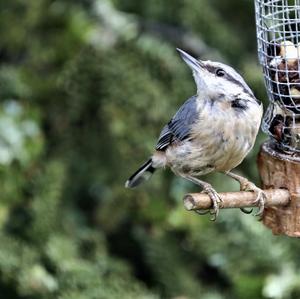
{"x": 219, "y": 83}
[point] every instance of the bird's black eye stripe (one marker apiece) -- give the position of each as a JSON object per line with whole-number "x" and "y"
{"x": 220, "y": 72}
{"x": 239, "y": 104}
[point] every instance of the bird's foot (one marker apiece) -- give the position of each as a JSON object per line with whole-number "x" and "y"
{"x": 216, "y": 200}
{"x": 260, "y": 195}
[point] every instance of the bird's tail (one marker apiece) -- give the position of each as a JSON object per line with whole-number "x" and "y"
{"x": 142, "y": 174}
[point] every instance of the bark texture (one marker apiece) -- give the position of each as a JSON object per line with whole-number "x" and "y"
{"x": 281, "y": 170}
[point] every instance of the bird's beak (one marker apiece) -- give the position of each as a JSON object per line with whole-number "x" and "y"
{"x": 198, "y": 68}
{"x": 196, "y": 65}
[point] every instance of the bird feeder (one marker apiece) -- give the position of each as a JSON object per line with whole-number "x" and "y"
{"x": 278, "y": 37}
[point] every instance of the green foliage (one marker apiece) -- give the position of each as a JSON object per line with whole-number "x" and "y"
{"x": 85, "y": 87}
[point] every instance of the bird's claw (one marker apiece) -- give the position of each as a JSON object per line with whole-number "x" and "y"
{"x": 261, "y": 196}
{"x": 260, "y": 200}
{"x": 216, "y": 200}
{"x": 246, "y": 211}
{"x": 202, "y": 212}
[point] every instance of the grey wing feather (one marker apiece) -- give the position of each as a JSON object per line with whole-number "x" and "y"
{"x": 179, "y": 127}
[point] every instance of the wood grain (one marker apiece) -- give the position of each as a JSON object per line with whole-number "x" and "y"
{"x": 281, "y": 170}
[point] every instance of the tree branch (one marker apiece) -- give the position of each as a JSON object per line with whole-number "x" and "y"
{"x": 241, "y": 199}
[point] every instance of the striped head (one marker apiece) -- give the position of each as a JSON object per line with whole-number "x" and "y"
{"x": 219, "y": 82}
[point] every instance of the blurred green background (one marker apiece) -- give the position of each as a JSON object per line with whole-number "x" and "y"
{"x": 85, "y": 87}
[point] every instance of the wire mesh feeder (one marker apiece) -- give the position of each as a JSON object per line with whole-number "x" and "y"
{"x": 278, "y": 35}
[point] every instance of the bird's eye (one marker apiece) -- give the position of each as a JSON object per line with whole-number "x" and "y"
{"x": 220, "y": 72}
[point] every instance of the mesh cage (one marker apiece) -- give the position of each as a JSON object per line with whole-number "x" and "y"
{"x": 278, "y": 36}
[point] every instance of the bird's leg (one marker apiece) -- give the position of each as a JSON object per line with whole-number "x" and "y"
{"x": 243, "y": 181}
{"x": 211, "y": 192}
{"x": 246, "y": 185}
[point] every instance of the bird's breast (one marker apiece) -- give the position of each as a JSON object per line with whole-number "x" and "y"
{"x": 219, "y": 141}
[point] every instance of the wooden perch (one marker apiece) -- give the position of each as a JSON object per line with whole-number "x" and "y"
{"x": 242, "y": 199}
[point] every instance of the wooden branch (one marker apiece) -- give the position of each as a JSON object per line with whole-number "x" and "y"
{"x": 242, "y": 199}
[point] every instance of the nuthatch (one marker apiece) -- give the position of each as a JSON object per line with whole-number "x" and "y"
{"x": 212, "y": 131}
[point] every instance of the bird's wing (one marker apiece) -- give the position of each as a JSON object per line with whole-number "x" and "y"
{"x": 179, "y": 127}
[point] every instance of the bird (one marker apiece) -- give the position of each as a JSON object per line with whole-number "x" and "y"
{"x": 212, "y": 131}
